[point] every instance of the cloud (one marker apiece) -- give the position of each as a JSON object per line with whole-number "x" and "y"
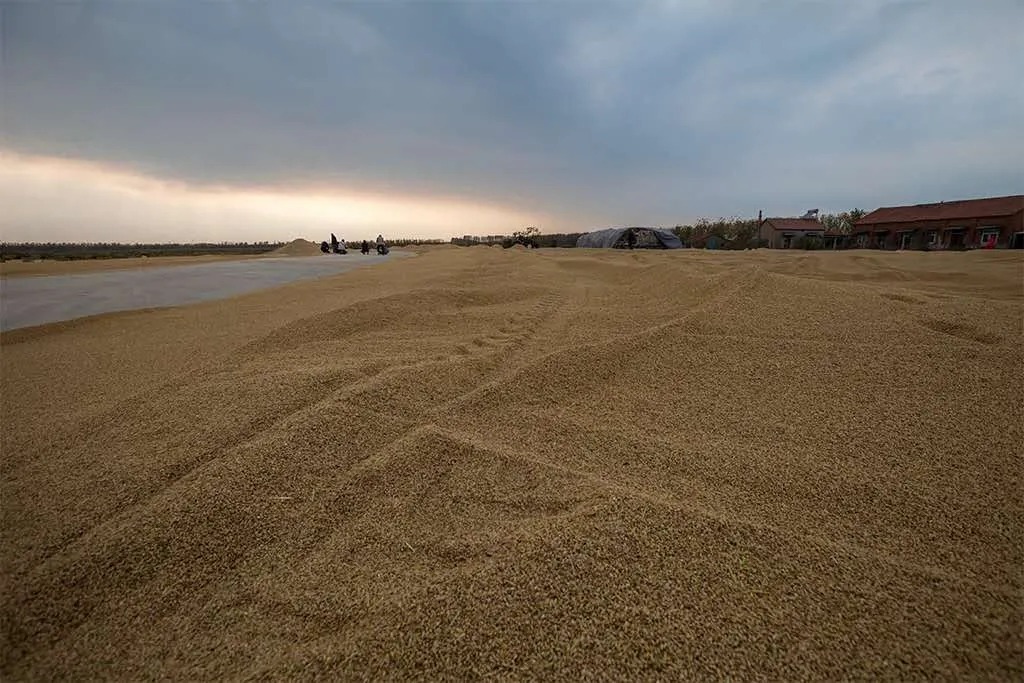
{"x": 588, "y": 113}
{"x": 54, "y": 200}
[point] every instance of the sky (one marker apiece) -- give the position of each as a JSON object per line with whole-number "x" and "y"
{"x": 213, "y": 120}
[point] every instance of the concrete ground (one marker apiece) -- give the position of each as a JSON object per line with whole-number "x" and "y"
{"x": 38, "y": 300}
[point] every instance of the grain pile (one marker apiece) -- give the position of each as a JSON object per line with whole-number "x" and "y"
{"x": 554, "y": 464}
{"x": 299, "y": 247}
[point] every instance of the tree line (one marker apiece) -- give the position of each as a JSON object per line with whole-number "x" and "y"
{"x": 744, "y": 233}
{"x": 71, "y": 251}
{"x": 65, "y": 251}
{"x": 733, "y": 233}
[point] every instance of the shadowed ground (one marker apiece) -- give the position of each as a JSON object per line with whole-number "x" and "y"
{"x": 553, "y": 464}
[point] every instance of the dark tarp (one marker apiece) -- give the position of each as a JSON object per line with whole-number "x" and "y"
{"x": 617, "y": 237}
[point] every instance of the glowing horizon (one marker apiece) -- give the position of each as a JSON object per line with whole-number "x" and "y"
{"x": 53, "y": 199}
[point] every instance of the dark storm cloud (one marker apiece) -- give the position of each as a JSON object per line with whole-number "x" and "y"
{"x": 626, "y": 111}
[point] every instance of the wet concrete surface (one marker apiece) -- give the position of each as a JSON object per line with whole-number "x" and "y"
{"x": 29, "y": 301}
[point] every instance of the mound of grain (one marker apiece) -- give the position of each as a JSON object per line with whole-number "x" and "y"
{"x": 425, "y": 248}
{"x": 299, "y": 247}
{"x": 659, "y": 465}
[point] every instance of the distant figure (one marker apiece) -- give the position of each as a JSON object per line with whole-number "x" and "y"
{"x": 366, "y": 247}
{"x": 631, "y": 238}
{"x": 382, "y": 246}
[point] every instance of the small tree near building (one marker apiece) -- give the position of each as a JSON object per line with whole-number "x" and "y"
{"x": 842, "y": 222}
{"x": 526, "y": 237}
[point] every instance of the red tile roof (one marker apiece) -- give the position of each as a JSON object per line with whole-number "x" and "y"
{"x": 960, "y": 209}
{"x": 804, "y": 224}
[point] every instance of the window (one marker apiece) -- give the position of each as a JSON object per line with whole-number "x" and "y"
{"x": 989, "y": 237}
{"x": 933, "y": 238}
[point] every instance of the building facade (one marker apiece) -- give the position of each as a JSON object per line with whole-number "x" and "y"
{"x": 785, "y": 233}
{"x": 990, "y": 223}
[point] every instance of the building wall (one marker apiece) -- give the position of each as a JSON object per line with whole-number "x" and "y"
{"x": 776, "y": 238}
{"x": 772, "y": 235}
{"x": 972, "y": 232}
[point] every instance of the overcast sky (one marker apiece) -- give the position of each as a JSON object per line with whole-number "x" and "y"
{"x": 271, "y": 119}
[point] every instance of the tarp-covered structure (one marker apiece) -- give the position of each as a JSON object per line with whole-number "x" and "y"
{"x": 619, "y": 238}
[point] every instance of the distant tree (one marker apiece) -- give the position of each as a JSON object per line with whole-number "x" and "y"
{"x": 527, "y": 236}
{"x": 842, "y": 222}
{"x": 735, "y": 232}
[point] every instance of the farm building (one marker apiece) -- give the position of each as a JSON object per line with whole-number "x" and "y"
{"x": 994, "y": 222}
{"x": 783, "y": 233}
{"x": 629, "y": 238}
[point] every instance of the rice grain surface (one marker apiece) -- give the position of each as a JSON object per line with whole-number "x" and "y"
{"x": 554, "y": 464}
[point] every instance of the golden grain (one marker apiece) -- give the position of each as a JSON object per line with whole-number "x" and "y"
{"x": 528, "y": 464}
